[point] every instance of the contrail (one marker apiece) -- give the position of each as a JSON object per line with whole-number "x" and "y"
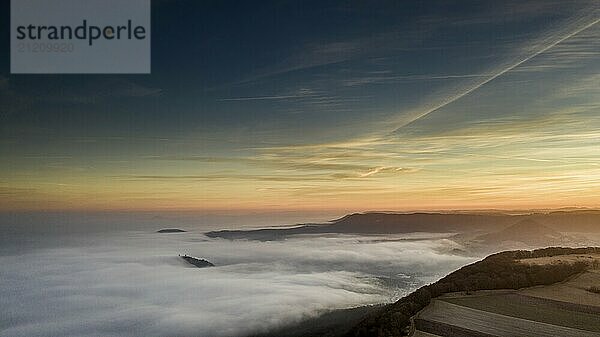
{"x": 259, "y": 98}
{"x": 498, "y": 74}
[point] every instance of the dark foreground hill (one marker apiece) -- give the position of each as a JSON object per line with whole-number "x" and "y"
{"x": 498, "y": 271}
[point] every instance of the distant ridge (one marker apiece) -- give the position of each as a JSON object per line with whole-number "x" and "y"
{"x": 527, "y": 231}
{"x": 379, "y": 223}
{"x": 458, "y": 222}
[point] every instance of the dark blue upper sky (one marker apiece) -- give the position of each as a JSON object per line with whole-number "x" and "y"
{"x": 340, "y": 58}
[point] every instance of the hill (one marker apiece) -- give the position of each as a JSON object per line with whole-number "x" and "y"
{"x": 527, "y": 231}
{"x": 498, "y": 271}
{"x": 197, "y": 262}
{"x": 458, "y": 222}
{"x": 389, "y": 223}
{"x": 568, "y": 308}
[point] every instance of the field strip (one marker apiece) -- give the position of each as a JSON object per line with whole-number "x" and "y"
{"x": 423, "y": 334}
{"x": 447, "y": 330}
{"x": 559, "y": 313}
{"x": 495, "y": 324}
{"x": 590, "y": 309}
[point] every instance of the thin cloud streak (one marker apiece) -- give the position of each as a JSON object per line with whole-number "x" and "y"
{"x": 498, "y": 74}
{"x": 259, "y": 98}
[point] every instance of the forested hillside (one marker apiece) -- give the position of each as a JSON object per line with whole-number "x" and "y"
{"x": 498, "y": 271}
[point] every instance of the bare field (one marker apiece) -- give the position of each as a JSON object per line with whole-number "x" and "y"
{"x": 423, "y": 334}
{"x": 535, "y": 309}
{"x": 495, "y": 324}
{"x": 573, "y": 290}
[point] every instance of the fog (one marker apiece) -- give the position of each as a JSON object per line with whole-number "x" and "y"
{"x": 132, "y": 283}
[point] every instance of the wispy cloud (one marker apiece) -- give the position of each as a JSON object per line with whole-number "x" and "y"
{"x": 391, "y": 79}
{"x": 554, "y": 40}
{"x": 301, "y": 93}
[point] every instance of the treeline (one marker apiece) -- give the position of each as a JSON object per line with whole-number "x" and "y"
{"x": 498, "y": 271}
{"x": 552, "y": 251}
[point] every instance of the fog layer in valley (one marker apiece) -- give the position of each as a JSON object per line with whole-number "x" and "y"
{"x": 133, "y": 283}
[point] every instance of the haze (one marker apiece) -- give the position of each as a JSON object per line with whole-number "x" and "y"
{"x": 130, "y": 282}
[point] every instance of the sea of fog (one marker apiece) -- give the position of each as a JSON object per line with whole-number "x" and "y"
{"x": 129, "y": 281}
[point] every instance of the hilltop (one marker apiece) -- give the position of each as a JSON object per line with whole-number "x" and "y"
{"x": 171, "y": 230}
{"x": 527, "y": 231}
{"x": 197, "y": 262}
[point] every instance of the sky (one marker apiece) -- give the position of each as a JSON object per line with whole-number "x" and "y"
{"x": 315, "y": 106}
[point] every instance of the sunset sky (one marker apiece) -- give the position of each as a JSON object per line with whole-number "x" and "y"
{"x": 289, "y": 105}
